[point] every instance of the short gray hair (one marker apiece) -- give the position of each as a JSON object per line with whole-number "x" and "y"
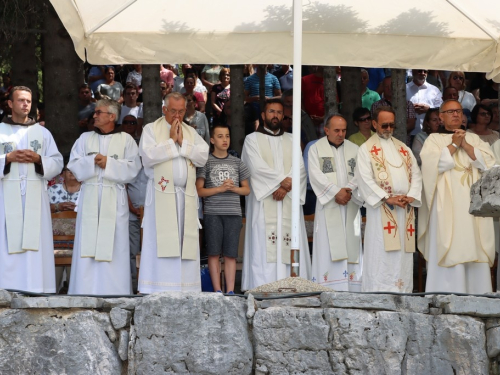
{"x": 365, "y": 71}
{"x": 112, "y": 105}
{"x": 176, "y": 96}
{"x": 448, "y": 101}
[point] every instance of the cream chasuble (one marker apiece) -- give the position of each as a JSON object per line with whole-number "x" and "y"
{"x": 460, "y": 237}
{"x": 98, "y": 223}
{"x": 271, "y": 206}
{"x": 348, "y": 246}
{"x": 383, "y": 177}
{"x": 23, "y": 230}
{"x": 167, "y": 238}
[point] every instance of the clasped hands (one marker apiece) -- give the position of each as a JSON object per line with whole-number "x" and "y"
{"x": 343, "y": 196}
{"x": 400, "y": 200}
{"x": 227, "y": 185}
{"x": 100, "y": 161}
{"x": 458, "y": 138}
{"x": 176, "y": 131}
{"x": 285, "y": 187}
{"x": 23, "y": 156}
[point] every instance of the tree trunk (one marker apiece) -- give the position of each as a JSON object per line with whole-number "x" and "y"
{"x": 330, "y": 89}
{"x": 399, "y": 102}
{"x": 262, "y": 69}
{"x": 24, "y": 72}
{"x": 63, "y": 73}
{"x": 151, "y": 93}
{"x": 351, "y": 96}
{"x": 237, "y": 108}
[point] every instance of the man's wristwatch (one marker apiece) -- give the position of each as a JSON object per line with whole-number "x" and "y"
{"x": 384, "y": 199}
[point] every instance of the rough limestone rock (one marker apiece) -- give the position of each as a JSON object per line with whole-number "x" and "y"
{"x": 123, "y": 345}
{"x": 348, "y": 341}
{"x": 56, "y": 342}
{"x": 120, "y": 318}
{"x": 485, "y": 194}
{"x": 465, "y": 305}
{"x": 56, "y": 302}
{"x": 5, "y": 298}
{"x": 198, "y": 333}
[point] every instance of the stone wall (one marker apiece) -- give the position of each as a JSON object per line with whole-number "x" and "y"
{"x": 208, "y": 333}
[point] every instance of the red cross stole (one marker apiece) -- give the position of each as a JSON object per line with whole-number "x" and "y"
{"x": 382, "y": 175}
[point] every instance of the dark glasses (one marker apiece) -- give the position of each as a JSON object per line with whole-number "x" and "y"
{"x": 456, "y": 78}
{"x": 129, "y": 123}
{"x": 387, "y": 126}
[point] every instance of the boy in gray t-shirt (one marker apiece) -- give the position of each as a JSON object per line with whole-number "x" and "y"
{"x": 221, "y": 182}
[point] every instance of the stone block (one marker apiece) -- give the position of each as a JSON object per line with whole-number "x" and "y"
{"x": 122, "y": 302}
{"x": 464, "y": 305}
{"x": 123, "y": 345}
{"x": 56, "y": 302}
{"x": 200, "y": 333}
{"x": 56, "y": 342}
{"x": 120, "y": 318}
{"x": 353, "y": 341}
{"x": 250, "y": 306}
{"x": 291, "y": 302}
{"x": 485, "y": 194}
{"x": 387, "y": 302}
{"x": 5, "y": 298}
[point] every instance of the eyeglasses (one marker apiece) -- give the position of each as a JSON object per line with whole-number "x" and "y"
{"x": 98, "y": 113}
{"x": 363, "y": 119}
{"x": 391, "y": 125}
{"x": 452, "y": 111}
{"x": 173, "y": 112}
{"x": 125, "y": 122}
{"x": 273, "y": 111}
{"x": 456, "y": 78}
{"x": 484, "y": 114}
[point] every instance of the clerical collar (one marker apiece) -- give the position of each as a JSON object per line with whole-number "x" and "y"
{"x": 8, "y": 120}
{"x": 443, "y": 130}
{"x": 117, "y": 129}
{"x": 266, "y": 131}
{"x": 334, "y": 145}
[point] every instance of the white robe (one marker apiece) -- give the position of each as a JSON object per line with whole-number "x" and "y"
{"x": 89, "y": 276}
{"x": 387, "y": 271}
{"x": 264, "y": 181}
{"x": 470, "y": 277}
{"x": 32, "y": 271}
{"x": 173, "y": 273}
{"x": 339, "y": 275}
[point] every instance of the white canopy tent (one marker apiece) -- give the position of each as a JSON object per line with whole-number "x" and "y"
{"x": 431, "y": 34}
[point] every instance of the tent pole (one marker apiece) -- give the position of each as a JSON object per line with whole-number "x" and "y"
{"x": 297, "y": 153}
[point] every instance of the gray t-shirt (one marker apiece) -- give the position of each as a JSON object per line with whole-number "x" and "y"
{"x": 215, "y": 172}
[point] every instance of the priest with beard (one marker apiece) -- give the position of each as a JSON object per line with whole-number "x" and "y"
{"x": 268, "y": 155}
{"x": 390, "y": 183}
{"x": 104, "y": 160}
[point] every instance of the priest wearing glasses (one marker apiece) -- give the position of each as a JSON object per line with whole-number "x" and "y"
{"x": 390, "y": 183}
{"x": 459, "y": 248}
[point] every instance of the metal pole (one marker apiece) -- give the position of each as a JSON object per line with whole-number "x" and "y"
{"x": 297, "y": 153}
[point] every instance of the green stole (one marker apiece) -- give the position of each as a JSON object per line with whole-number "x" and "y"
{"x": 382, "y": 175}
{"x": 348, "y": 246}
{"x": 99, "y": 223}
{"x": 271, "y": 206}
{"x": 23, "y": 231}
{"x": 167, "y": 230}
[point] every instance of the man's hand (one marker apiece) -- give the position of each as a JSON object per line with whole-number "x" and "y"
{"x": 174, "y": 131}
{"x": 23, "y": 156}
{"x": 458, "y": 137}
{"x": 408, "y": 199}
{"x": 67, "y": 206}
{"x": 343, "y": 196}
{"x": 100, "y": 161}
{"x": 421, "y": 108}
{"x": 279, "y": 194}
{"x": 397, "y": 201}
{"x": 287, "y": 184}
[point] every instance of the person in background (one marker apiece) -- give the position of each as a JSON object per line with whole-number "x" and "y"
{"x": 457, "y": 80}
{"x": 130, "y": 106}
{"x": 86, "y": 105}
{"x": 189, "y": 85}
{"x": 431, "y": 125}
{"x": 196, "y": 119}
{"x": 368, "y": 97}
{"x": 481, "y": 117}
{"x": 363, "y": 120}
{"x": 221, "y": 93}
{"x": 495, "y": 120}
{"x": 110, "y": 88}
{"x": 135, "y": 78}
